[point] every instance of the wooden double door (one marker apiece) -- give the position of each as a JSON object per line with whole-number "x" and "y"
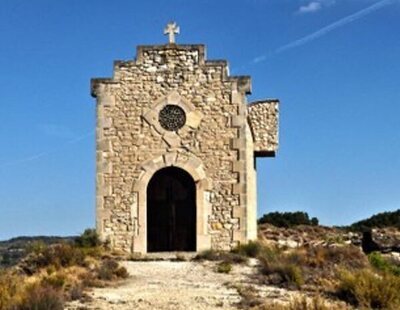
{"x": 171, "y": 211}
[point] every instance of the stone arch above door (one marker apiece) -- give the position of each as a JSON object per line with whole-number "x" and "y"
{"x": 193, "y": 166}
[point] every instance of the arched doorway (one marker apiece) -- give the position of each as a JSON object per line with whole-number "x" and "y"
{"x": 171, "y": 211}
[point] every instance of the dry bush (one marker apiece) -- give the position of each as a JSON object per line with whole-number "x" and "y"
{"x": 311, "y": 265}
{"x": 180, "y": 257}
{"x": 41, "y": 297}
{"x": 368, "y": 290}
{"x": 55, "y": 280}
{"x": 302, "y": 303}
{"x": 281, "y": 268}
{"x": 110, "y": 270}
{"x": 283, "y": 273}
{"x": 10, "y": 289}
{"x": 214, "y": 255}
{"x": 349, "y": 256}
{"x": 249, "y": 297}
{"x": 57, "y": 255}
{"x": 75, "y": 292}
{"x": 250, "y": 249}
{"x": 224, "y": 267}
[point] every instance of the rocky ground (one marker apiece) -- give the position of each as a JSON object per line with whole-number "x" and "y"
{"x": 305, "y": 235}
{"x": 181, "y": 285}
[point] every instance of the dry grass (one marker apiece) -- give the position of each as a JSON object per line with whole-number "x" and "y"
{"x": 224, "y": 267}
{"x": 302, "y": 303}
{"x": 58, "y": 273}
{"x": 10, "y": 289}
{"x": 214, "y": 255}
{"x": 368, "y": 290}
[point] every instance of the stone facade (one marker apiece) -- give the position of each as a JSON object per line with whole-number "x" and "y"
{"x": 214, "y": 135}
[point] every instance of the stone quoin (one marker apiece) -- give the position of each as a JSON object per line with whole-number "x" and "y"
{"x": 176, "y": 144}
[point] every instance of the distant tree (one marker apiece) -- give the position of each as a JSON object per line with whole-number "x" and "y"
{"x": 5, "y": 259}
{"x": 380, "y": 220}
{"x": 88, "y": 239}
{"x": 288, "y": 219}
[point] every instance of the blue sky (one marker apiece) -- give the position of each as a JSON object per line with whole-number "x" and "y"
{"x": 333, "y": 64}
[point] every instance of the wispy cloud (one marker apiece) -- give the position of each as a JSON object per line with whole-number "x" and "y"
{"x": 57, "y": 131}
{"x": 311, "y": 7}
{"x": 327, "y": 29}
{"x": 315, "y": 6}
{"x": 47, "y": 153}
{"x": 340, "y": 23}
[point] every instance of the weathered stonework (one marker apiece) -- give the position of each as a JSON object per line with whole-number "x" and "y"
{"x": 216, "y": 144}
{"x": 263, "y": 121}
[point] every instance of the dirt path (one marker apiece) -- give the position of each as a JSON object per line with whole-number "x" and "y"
{"x": 172, "y": 285}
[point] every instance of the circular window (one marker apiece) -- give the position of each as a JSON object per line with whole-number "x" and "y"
{"x": 172, "y": 117}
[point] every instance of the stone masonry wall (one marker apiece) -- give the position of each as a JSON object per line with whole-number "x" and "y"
{"x": 263, "y": 119}
{"x": 128, "y": 136}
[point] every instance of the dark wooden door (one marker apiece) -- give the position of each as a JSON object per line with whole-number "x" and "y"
{"x": 171, "y": 211}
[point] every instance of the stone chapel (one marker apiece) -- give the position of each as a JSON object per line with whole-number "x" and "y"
{"x": 176, "y": 147}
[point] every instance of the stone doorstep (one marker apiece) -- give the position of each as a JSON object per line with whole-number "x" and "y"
{"x": 164, "y": 256}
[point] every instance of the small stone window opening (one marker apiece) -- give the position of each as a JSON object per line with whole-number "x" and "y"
{"x": 172, "y": 117}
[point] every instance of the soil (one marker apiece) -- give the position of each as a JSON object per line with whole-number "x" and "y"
{"x": 179, "y": 285}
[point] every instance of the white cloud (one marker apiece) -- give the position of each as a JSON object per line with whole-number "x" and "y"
{"x": 315, "y": 6}
{"x": 311, "y": 7}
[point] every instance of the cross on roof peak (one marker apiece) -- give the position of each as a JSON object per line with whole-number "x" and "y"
{"x": 171, "y": 29}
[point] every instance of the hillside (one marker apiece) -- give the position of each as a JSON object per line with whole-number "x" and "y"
{"x": 12, "y": 250}
{"x": 380, "y": 220}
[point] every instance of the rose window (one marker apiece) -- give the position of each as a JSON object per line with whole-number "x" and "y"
{"x": 172, "y": 117}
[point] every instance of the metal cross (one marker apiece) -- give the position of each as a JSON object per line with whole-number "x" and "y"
{"x": 171, "y": 29}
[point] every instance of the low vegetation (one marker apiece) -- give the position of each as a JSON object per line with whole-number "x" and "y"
{"x": 51, "y": 275}
{"x": 288, "y": 219}
{"x": 341, "y": 273}
{"x": 380, "y": 220}
{"x": 369, "y": 290}
{"x": 224, "y": 267}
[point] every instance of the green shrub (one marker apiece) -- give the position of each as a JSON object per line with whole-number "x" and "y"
{"x": 366, "y": 289}
{"x": 224, "y": 267}
{"x": 380, "y": 263}
{"x": 88, "y": 239}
